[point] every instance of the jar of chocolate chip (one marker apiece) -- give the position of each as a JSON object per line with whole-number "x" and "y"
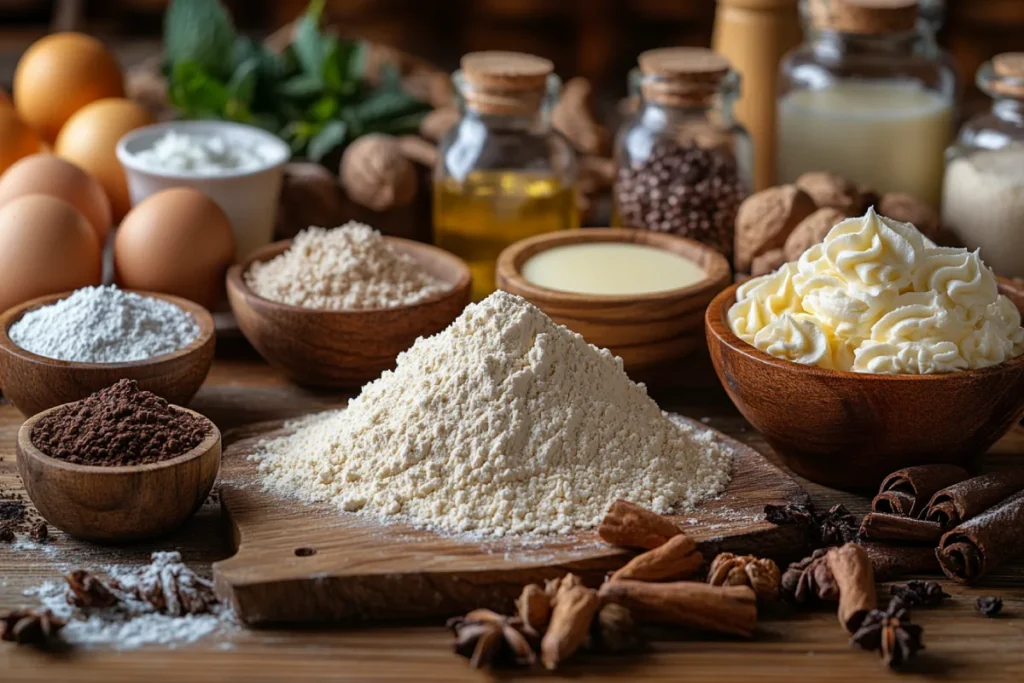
{"x": 684, "y": 164}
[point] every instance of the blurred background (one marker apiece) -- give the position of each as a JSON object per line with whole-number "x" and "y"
{"x": 598, "y": 39}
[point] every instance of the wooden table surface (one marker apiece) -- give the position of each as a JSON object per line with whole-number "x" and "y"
{"x": 809, "y": 646}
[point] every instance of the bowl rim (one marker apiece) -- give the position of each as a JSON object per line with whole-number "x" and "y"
{"x": 717, "y": 272}
{"x": 129, "y": 161}
{"x": 717, "y": 323}
{"x": 203, "y": 319}
{"x": 27, "y": 447}
{"x": 236, "y": 280}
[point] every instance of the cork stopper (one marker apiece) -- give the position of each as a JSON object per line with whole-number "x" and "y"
{"x": 681, "y": 76}
{"x": 505, "y": 82}
{"x": 1009, "y": 74}
{"x": 866, "y": 17}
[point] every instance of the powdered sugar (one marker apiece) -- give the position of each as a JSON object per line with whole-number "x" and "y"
{"x": 351, "y": 267}
{"x": 505, "y": 423}
{"x": 105, "y": 325}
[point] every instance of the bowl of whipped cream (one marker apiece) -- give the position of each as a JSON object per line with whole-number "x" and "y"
{"x": 875, "y": 350}
{"x": 240, "y": 167}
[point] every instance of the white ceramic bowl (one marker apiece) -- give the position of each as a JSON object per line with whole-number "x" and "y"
{"x": 249, "y": 197}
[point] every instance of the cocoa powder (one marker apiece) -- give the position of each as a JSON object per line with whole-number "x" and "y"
{"x": 119, "y": 426}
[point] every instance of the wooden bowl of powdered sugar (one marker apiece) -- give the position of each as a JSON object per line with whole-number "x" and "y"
{"x": 338, "y": 308}
{"x": 169, "y": 339}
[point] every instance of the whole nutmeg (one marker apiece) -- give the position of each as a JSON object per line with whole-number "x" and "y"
{"x": 375, "y": 173}
{"x": 309, "y": 196}
{"x": 835, "y": 191}
{"x": 767, "y": 262}
{"x": 811, "y": 231}
{"x": 766, "y": 219}
{"x": 909, "y": 209}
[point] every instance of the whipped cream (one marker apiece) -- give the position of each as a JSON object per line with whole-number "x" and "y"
{"x": 878, "y": 297}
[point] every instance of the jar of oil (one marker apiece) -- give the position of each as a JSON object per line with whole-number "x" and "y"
{"x": 503, "y": 172}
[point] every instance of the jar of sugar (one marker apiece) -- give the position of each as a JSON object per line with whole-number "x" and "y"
{"x": 983, "y": 194}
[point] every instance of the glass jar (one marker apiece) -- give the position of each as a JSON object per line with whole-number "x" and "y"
{"x": 867, "y": 98}
{"x": 503, "y": 173}
{"x": 983, "y": 195}
{"x": 683, "y": 164}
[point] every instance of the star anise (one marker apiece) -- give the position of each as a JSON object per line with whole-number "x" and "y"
{"x": 30, "y": 627}
{"x": 835, "y": 527}
{"x": 810, "y": 579}
{"x": 86, "y": 590}
{"x": 890, "y": 633}
{"x": 917, "y": 593}
{"x": 838, "y": 526}
{"x": 488, "y": 638}
{"x": 990, "y": 607}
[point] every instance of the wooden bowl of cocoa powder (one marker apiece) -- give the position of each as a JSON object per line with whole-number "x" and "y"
{"x": 117, "y": 503}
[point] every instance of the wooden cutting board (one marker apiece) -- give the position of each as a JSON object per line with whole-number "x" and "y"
{"x": 296, "y": 563}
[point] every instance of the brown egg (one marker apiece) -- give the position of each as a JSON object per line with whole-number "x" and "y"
{"x": 60, "y": 74}
{"x": 175, "y": 242}
{"x": 16, "y": 139}
{"x": 89, "y": 140}
{"x": 46, "y": 246}
{"x": 50, "y": 175}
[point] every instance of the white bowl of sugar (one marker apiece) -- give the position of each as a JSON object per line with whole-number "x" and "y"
{"x": 240, "y": 167}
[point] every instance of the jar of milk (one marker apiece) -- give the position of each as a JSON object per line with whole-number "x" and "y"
{"x": 866, "y": 97}
{"x": 983, "y": 196}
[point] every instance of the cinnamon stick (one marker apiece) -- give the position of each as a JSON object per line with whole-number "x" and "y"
{"x": 851, "y": 568}
{"x": 631, "y": 526}
{"x": 891, "y": 561}
{"x": 690, "y": 604}
{"x": 677, "y": 558}
{"x": 573, "y": 613}
{"x": 958, "y": 503}
{"x": 907, "y": 491}
{"x": 984, "y": 542}
{"x": 877, "y": 526}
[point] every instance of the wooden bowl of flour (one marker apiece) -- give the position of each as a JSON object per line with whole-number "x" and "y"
{"x": 35, "y": 383}
{"x": 331, "y": 349}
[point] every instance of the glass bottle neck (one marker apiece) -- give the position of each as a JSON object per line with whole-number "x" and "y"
{"x": 1009, "y": 110}
{"x": 835, "y": 45}
{"x": 535, "y": 122}
{"x": 658, "y": 116}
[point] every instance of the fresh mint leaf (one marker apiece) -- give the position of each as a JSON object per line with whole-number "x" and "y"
{"x": 302, "y": 86}
{"x": 343, "y": 67}
{"x": 242, "y": 86}
{"x": 324, "y": 109}
{"x": 195, "y": 93}
{"x": 330, "y": 137}
{"x": 199, "y": 31}
{"x": 382, "y": 105}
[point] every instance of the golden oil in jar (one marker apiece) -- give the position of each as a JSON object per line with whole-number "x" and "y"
{"x": 478, "y": 217}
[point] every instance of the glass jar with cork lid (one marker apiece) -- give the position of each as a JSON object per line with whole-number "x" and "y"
{"x": 503, "y": 173}
{"x": 983, "y": 195}
{"x": 865, "y": 97}
{"x": 683, "y": 164}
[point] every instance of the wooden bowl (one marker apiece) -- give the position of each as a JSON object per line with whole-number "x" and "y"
{"x": 35, "y": 383}
{"x": 645, "y": 330}
{"x": 849, "y": 430}
{"x": 118, "y": 504}
{"x": 322, "y": 348}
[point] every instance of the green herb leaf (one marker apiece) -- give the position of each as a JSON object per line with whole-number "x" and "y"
{"x": 242, "y": 86}
{"x": 195, "y": 93}
{"x": 324, "y": 109}
{"x": 302, "y": 86}
{"x": 308, "y": 43}
{"x": 330, "y": 137}
{"x": 199, "y": 31}
{"x": 382, "y": 105}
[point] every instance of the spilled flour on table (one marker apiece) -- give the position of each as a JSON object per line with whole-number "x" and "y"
{"x": 505, "y": 423}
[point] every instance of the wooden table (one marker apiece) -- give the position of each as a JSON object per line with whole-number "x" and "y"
{"x": 801, "y": 646}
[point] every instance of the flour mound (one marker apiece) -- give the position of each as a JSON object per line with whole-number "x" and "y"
{"x": 504, "y": 423}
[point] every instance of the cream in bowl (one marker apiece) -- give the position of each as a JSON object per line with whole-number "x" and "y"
{"x": 611, "y": 269}
{"x": 878, "y": 297}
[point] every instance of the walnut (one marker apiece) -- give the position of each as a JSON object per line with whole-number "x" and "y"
{"x": 172, "y": 588}
{"x": 835, "y": 191}
{"x": 909, "y": 209}
{"x": 375, "y": 173}
{"x": 811, "y": 231}
{"x": 309, "y": 196}
{"x": 573, "y": 116}
{"x": 767, "y": 262}
{"x": 436, "y": 124}
{"x": 761, "y": 574}
{"x": 766, "y": 219}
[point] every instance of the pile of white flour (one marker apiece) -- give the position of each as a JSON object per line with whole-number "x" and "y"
{"x": 504, "y": 423}
{"x": 105, "y": 325}
{"x": 347, "y": 268}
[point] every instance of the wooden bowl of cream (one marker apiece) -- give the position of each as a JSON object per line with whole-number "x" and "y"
{"x": 640, "y": 294}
